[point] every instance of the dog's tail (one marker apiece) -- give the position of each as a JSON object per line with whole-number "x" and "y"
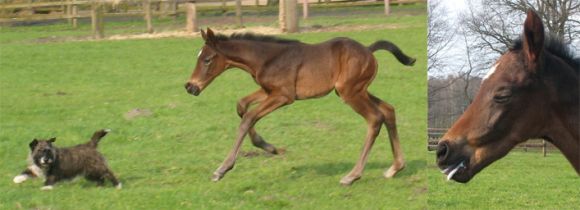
{"x": 97, "y": 136}
{"x": 389, "y": 46}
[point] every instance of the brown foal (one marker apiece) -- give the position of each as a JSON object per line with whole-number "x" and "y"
{"x": 531, "y": 92}
{"x": 289, "y": 70}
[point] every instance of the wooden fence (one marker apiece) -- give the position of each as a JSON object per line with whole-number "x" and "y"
{"x": 434, "y": 134}
{"x": 72, "y": 10}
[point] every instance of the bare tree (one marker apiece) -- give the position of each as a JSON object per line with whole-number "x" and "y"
{"x": 497, "y": 22}
{"x": 439, "y": 36}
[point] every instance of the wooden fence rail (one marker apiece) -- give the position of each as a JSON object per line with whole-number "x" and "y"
{"x": 434, "y": 134}
{"x": 72, "y": 10}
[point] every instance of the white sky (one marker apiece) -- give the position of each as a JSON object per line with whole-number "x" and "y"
{"x": 454, "y": 8}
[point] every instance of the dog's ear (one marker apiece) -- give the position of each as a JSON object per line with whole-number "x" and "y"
{"x": 33, "y": 144}
{"x": 52, "y": 140}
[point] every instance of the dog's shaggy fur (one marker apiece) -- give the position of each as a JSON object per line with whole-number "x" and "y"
{"x": 57, "y": 164}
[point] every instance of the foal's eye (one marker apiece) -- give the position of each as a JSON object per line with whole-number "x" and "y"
{"x": 502, "y": 96}
{"x": 207, "y": 61}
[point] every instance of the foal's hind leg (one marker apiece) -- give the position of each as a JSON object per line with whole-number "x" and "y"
{"x": 243, "y": 105}
{"x": 362, "y": 104}
{"x": 388, "y": 112}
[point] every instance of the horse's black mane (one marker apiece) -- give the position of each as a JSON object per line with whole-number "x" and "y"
{"x": 556, "y": 46}
{"x": 254, "y": 37}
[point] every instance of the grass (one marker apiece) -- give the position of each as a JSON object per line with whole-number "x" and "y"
{"x": 165, "y": 160}
{"x": 519, "y": 181}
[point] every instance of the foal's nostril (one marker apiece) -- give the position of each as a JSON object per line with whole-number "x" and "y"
{"x": 442, "y": 151}
{"x": 192, "y": 89}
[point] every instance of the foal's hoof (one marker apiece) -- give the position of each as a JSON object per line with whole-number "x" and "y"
{"x": 216, "y": 176}
{"x": 347, "y": 180}
{"x": 393, "y": 171}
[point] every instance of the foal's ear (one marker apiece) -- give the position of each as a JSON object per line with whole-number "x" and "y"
{"x": 52, "y": 140}
{"x": 533, "y": 39}
{"x": 209, "y": 37}
{"x": 203, "y": 35}
{"x": 33, "y": 144}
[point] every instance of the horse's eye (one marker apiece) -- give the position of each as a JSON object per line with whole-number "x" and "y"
{"x": 207, "y": 61}
{"x": 502, "y": 96}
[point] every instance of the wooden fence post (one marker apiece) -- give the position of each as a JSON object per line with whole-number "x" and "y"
{"x": 544, "y": 147}
{"x": 282, "y": 16}
{"x": 239, "y": 13}
{"x": 305, "y": 9}
{"x": 292, "y": 15}
{"x": 75, "y": 13}
{"x": 387, "y": 7}
{"x": 97, "y": 20}
{"x": 191, "y": 17}
{"x": 148, "y": 15}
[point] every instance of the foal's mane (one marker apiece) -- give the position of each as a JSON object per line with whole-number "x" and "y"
{"x": 556, "y": 46}
{"x": 254, "y": 37}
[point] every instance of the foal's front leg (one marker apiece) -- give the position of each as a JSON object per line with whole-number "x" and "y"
{"x": 243, "y": 105}
{"x": 271, "y": 103}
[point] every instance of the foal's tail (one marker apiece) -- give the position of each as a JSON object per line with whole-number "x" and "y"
{"x": 389, "y": 46}
{"x": 97, "y": 136}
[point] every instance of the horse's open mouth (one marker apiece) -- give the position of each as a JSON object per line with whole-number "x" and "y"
{"x": 453, "y": 169}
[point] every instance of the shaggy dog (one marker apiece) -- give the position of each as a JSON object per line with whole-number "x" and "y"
{"x": 57, "y": 164}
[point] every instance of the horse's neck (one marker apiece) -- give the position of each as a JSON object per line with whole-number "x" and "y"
{"x": 248, "y": 55}
{"x": 564, "y": 126}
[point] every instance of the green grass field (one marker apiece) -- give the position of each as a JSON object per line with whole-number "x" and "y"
{"x": 519, "y": 181}
{"x": 165, "y": 160}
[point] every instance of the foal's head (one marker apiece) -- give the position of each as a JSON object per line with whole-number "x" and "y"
{"x": 210, "y": 64}
{"x": 512, "y": 105}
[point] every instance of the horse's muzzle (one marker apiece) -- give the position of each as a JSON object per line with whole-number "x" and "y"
{"x": 192, "y": 89}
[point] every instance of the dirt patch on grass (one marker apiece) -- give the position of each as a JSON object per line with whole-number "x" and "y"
{"x": 266, "y": 30}
{"x": 135, "y": 113}
{"x": 255, "y": 153}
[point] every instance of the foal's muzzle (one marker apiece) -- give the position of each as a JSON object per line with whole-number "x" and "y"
{"x": 192, "y": 89}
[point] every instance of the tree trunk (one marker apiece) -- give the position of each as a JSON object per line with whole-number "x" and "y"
{"x": 191, "y": 17}
{"x": 387, "y": 7}
{"x": 148, "y": 15}
{"x": 292, "y": 15}
{"x": 239, "y": 13}
{"x": 282, "y": 16}
{"x": 97, "y": 20}
{"x": 305, "y": 9}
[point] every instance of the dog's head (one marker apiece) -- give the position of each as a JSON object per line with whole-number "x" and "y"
{"x": 43, "y": 152}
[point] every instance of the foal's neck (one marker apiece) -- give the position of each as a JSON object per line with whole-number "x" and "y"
{"x": 250, "y": 55}
{"x": 564, "y": 127}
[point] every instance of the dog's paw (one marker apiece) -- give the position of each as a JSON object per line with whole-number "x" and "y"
{"x": 47, "y": 187}
{"x": 20, "y": 178}
{"x": 119, "y": 186}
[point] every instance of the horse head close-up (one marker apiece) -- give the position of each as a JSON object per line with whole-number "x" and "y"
{"x": 530, "y": 92}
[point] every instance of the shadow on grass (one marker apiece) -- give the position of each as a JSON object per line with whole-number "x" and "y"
{"x": 329, "y": 169}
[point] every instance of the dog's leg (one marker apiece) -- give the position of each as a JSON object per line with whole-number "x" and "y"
{"x": 25, "y": 175}
{"x": 49, "y": 183}
{"x": 110, "y": 176}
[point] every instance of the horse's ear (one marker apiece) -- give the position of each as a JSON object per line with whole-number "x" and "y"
{"x": 52, "y": 140}
{"x": 533, "y": 39}
{"x": 210, "y": 37}
{"x": 203, "y": 35}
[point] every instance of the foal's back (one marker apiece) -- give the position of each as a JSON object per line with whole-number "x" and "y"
{"x": 318, "y": 68}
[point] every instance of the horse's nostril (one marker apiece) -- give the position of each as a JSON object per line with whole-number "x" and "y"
{"x": 442, "y": 150}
